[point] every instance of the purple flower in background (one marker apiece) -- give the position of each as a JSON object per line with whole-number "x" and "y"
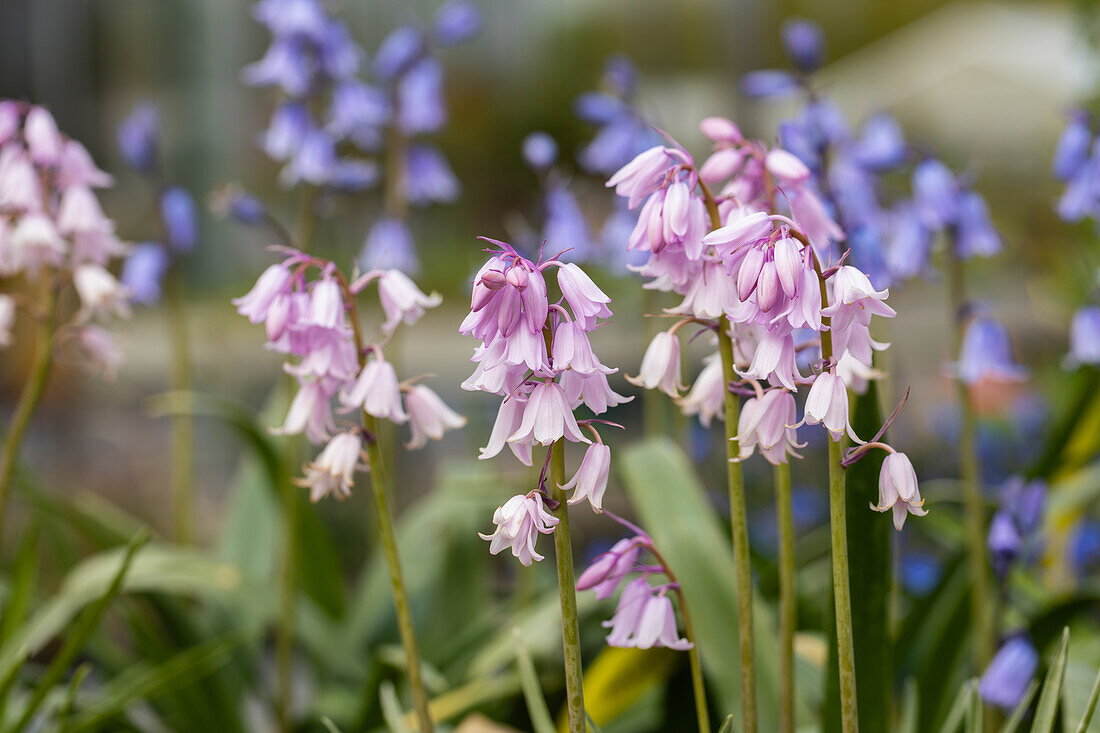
{"x": 935, "y": 193}
{"x": 539, "y": 150}
{"x": 286, "y": 64}
{"x": 397, "y": 52}
{"x": 804, "y": 43}
{"x": 288, "y": 126}
{"x": 565, "y": 226}
{"x": 420, "y": 106}
{"x": 1073, "y": 146}
{"x": 623, "y": 131}
{"x": 1084, "y": 549}
{"x": 143, "y": 272}
{"x": 292, "y": 17}
{"x": 1005, "y": 680}
{"x": 1084, "y": 337}
{"x": 881, "y": 144}
{"x": 428, "y": 178}
{"x": 975, "y": 234}
{"x": 357, "y": 113}
{"x": 909, "y": 252}
{"x": 138, "y": 136}
{"x": 177, "y": 213}
{"x": 986, "y": 354}
{"x": 389, "y": 245}
{"x": 769, "y": 83}
{"x": 920, "y": 573}
{"x": 456, "y": 21}
{"x": 314, "y": 161}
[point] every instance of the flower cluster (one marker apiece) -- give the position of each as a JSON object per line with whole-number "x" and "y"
{"x": 1077, "y": 163}
{"x": 537, "y": 355}
{"x": 888, "y": 242}
{"x": 644, "y": 617}
{"x": 315, "y": 320}
{"x": 764, "y": 276}
{"x": 145, "y": 269}
{"x": 52, "y": 228}
{"x": 332, "y": 123}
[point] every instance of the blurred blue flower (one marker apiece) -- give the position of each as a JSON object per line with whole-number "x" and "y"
{"x": 1073, "y": 146}
{"x": 975, "y": 234}
{"x": 287, "y": 64}
{"x": 1084, "y": 548}
{"x": 1084, "y": 337}
{"x": 769, "y": 83}
{"x": 143, "y": 272}
{"x": 314, "y": 161}
{"x": 339, "y": 53}
{"x": 288, "y": 126}
{"x": 565, "y": 226}
{"x": 428, "y": 177}
{"x": 358, "y": 112}
{"x": 389, "y": 244}
{"x": 457, "y": 21}
{"x": 292, "y": 17}
{"x": 935, "y": 193}
{"x": 351, "y": 175}
{"x": 244, "y": 207}
{"x": 881, "y": 143}
{"x": 1005, "y": 680}
{"x": 986, "y": 354}
{"x": 397, "y": 52}
{"x": 539, "y": 150}
{"x": 920, "y": 572}
{"x": 177, "y": 213}
{"x": 420, "y": 105}
{"x": 138, "y": 136}
{"x": 804, "y": 43}
{"x": 909, "y": 252}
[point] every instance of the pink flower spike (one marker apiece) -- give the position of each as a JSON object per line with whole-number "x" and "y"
{"x": 571, "y": 349}
{"x": 376, "y": 392}
{"x": 786, "y": 167}
{"x": 332, "y": 472}
{"x": 310, "y": 412}
{"x": 590, "y": 480}
{"x": 789, "y": 264}
{"x": 661, "y": 365}
{"x": 78, "y": 168}
{"x": 429, "y": 416}
{"x": 402, "y": 300}
{"x": 898, "y": 490}
{"x": 547, "y": 417}
{"x": 518, "y": 524}
{"x": 585, "y": 298}
{"x": 642, "y": 175}
{"x": 746, "y": 228}
{"x": 80, "y": 212}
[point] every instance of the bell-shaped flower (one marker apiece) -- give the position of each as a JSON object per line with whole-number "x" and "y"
{"x": 590, "y": 480}
{"x": 33, "y": 243}
{"x": 402, "y": 300}
{"x": 642, "y": 175}
{"x": 518, "y": 524}
{"x": 7, "y": 319}
{"x": 571, "y": 349}
{"x": 376, "y": 391}
{"x": 255, "y": 305}
{"x": 509, "y": 418}
{"x": 333, "y": 471}
{"x": 774, "y": 359}
{"x": 44, "y": 140}
{"x": 547, "y": 417}
{"x": 593, "y": 390}
{"x": 986, "y": 354}
{"x": 80, "y": 211}
{"x": 661, "y": 365}
{"x": 707, "y": 395}
{"x": 897, "y": 489}
{"x": 827, "y": 404}
{"x": 100, "y": 293}
{"x": 99, "y": 350}
{"x": 584, "y": 297}
{"x": 429, "y": 416}
{"x": 609, "y": 569}
{"x": 644, "y": 619}
{"x": 1084, "y": 337}
{"x": 1005, "y": 681}
{"x": 310, "y": 411}
{"x": 766, "y": 423}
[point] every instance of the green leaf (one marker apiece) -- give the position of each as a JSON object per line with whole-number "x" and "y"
{"x": 727, "y": 726}
{"x": 1012, "y": 724}
{"x": 144, "y": 681}
{"x": 329, "y": 725}
{"x": 158, "y": 568}
{"x": 1090, "y": 708}
{"x": 870, "y": 571}
{"x": 65, "y": 714}
{"x": 81, "y": 631}
{"x": 21, "y": 586}
{"x": 974, "y": 712}
{"x": 392, "y": 711}
{"x": 319, "y": 562}
{"x": 685, "y": 527}
{"x": 959, "y": 709}
{"x": 541, "y": 722}
{"x": 1047, "y": 709}
{"x": 909, "y": 717}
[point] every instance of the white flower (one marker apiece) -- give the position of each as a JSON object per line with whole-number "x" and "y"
{"x": 100, "y": 293}
{"x": 402, "y": 300}
{"x": 376, "y": 391}
{"x": 519, "y": 523}
{"x": 590, "y": 480}
{"x": 333, "y": 471}
{"x": 898, "y": 490}
{"x": 661, "y": 365}
{"x": 429, "y": 416}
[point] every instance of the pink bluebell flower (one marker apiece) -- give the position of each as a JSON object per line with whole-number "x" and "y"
{"x": 332, "y": 472}
{"x": 661, "y": 365}
{"x": 766, "y": 423}
{"x": 609, "y": 569}
{"x": 897, "y": 489}
{"x": 707, "y": 395}
{"x": 519, "y": 522}
{"x": 827, "y": 404}
{"x": 429, "y": 416}
{"x": 590, "y": 480}
{"x": 644, "y": 619}
{"x": 376, "y": 391}
{"x": 100, "y": 293}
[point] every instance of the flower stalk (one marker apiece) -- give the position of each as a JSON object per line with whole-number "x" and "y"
{"x": 183, "y": 427}
{"x": 980, "y": 618}
{"x": 567, "y": 584}
{"x": 32, "y": 391}
{"x": 788, "y": 608}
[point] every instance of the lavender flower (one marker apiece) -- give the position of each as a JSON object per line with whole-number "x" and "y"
{"x": 1084, "y": 337}
{"x": 138, "y": 136}
{"x": 519, "y": 522}
{"x": 986, "y": 354}
{"x": 1012, "y": 668}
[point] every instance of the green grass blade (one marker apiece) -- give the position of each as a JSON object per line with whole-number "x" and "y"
{"x": 957, "y": 715}
{"x": 329, "y": 725}
{"x": 974, "y": 711}
{"x": 22, "y": 584}
{"x": 1090, "y": 708}
{"x": 1046, "y": 711}
{"x": 909, "y": 717}
{"x": 727, "y": 726}
{"x": 392, "y": 711}
{"x": 1012, "y": 724}
{"x": 84, "y": 627}
{"x": 541, "y": 722}
{"x": 65, "y": 715}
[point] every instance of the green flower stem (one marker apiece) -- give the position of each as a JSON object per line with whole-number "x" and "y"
{"x": 567, "y": 590}
{"x": 183, "y": 425}
{"x": 788, "y": 607}
{"x": 739, "y": 524}
{"x": 980, "y": 617}
{"x": 397, "y": 581}
{"x": 838, "y": 528}
{"x": 32, "y": 390}
{"x": 288, "y": 580}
